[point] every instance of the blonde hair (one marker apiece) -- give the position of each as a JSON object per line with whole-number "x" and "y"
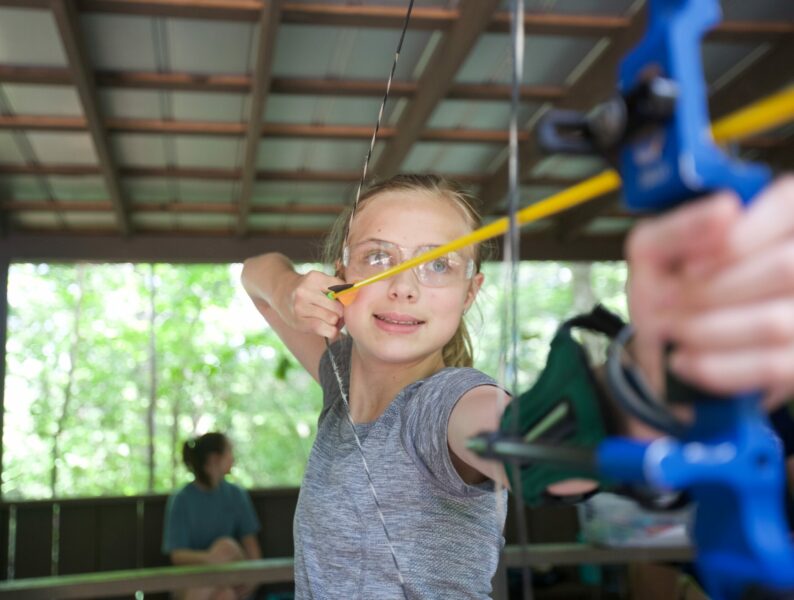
{"x": 457, "y": 352}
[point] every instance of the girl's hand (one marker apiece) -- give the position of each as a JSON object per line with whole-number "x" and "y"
{"x": 718, "y": 282}
{"x": 303, "y": 304}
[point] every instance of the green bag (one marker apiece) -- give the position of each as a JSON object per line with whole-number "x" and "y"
{"x": 565, "y": 406}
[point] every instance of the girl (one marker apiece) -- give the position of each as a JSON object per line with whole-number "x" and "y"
{"x": 421, "y": 519}
{"x": 210, "y": 520}
{"x": 413, "y": 398}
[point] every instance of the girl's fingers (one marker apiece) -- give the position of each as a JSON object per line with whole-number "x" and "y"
{"x": 322, "y": 328}
{"x": 769, "y": 323}
{"x": 731, "y": 372}
{"x": 691, "y": 231}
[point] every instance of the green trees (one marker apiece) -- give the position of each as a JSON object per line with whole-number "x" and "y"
{"x": 111, "y": 367}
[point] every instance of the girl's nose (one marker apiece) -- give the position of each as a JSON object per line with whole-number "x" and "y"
{"x": 404, "y": 286}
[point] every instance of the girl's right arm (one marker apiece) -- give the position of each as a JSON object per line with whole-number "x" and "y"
{"x": 294, "y": 305}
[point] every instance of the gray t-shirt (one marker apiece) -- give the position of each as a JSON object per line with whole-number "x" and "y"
{"x": 447, "y": 535}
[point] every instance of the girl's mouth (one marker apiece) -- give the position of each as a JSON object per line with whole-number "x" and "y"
{"x": 397, "y": 323}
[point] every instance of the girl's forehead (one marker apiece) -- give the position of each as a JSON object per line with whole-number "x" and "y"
{"x": 409, "y": 214}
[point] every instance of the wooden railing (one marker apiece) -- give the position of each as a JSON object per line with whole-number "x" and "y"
{"x": 159, "y": 579}
{"x": 280, "y": 570}
{"x": 106, "y": 547}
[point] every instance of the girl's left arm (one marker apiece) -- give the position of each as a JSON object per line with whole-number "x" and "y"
{"x": 480, "y": 409}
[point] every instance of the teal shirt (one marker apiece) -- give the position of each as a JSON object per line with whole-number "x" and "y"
{"x": 195, "y": 518}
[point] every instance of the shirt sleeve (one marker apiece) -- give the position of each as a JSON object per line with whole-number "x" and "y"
{"x": 176, "y": 529}
{"x": 247, "y": 522}
{"x": 426, "y": 424}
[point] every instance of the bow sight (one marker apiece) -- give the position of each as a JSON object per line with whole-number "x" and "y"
{"x": 656, "y": 132}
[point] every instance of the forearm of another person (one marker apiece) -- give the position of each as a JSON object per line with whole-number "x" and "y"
{"x": 251, "y": 547}
{"x": 183, "y": 556}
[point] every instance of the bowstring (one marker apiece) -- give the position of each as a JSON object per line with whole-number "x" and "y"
{"x": 343, "y": 393}
{"x": 511, "y": 258}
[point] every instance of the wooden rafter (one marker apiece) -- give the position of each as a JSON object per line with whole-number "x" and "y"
{"x": 572, "y": 223}
{"x": 182, "y": 207}
{"x": 207, "y": 82}
{"x": 270, "y": 130}
{"x": 268, "y": 26}
{"x": 220, "y": 246}
{"x": 427, "y": 18}
{"x": 594, "y": 85}
{"x": 435, "y": 81}
{"x": 766, "y": 75}
{"x": 234, "y": 174}
{"x": 66, "y": 20}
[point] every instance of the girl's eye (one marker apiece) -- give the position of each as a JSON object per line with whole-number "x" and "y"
{"x": 439, "y": 265}
{"x": 377, "y": 258}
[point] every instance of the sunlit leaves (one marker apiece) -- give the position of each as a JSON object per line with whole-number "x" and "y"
{"x": 216, "y": 366}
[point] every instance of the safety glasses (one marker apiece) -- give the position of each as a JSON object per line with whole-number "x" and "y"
{"x": 371, "y": 257}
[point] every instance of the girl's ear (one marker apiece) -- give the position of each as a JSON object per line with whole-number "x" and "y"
{"x": 474, "y": 288}
{"x": 339, "y": 270}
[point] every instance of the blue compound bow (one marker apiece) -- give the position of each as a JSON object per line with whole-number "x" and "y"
{"x": 657, "y": 132}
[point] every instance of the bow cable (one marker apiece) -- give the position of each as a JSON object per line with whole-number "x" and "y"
{"x": 337, "y": 374}
{"x": 508, "y": 361}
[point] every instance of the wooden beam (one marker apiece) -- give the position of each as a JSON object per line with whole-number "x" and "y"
{"x": 269, "y": 19}
{"x": 200, "y": 82}
{"x": 435, "y": 82}
{"x": 217, "y": 174}
{"x": 241, "y": 84}
{"x": 181, "y": 207}
{"x": 424, "y": 18}
{"x": 594, "y": 85}
{"x": 67, "y": 21}
{"x": 222, "y": 246}
{"x": 35, "y": 75}
{"x": 42, "y": 123}
{"x": 270, "y": 130}
{"x": 768, "y": 74}
{"x": 233, "y": 174}
{"x": 538, "y": 23}
{"x": 570, "y": 224}
{"x": 229, "y": 10}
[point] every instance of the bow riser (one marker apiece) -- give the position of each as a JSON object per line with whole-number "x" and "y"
{"x": 728, "y": 460}
{"x": 662, "y": 166}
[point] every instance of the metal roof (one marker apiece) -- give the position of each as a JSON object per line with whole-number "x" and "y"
{"x": 127, "y": 129}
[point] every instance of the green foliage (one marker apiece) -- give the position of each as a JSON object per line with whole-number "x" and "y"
{"x": 90, "y": 347}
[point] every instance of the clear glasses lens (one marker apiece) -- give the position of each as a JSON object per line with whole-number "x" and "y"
{"x": 370, "y": 258}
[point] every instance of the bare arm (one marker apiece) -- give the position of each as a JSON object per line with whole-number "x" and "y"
{"x": 251, "y": 547}
{"x": 184, "y": 556}
{"x": 478, "y": 410}
{"x": 294, "y": 305}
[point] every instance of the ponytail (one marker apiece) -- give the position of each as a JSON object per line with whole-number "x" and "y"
{"x": 196, "y": 451}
